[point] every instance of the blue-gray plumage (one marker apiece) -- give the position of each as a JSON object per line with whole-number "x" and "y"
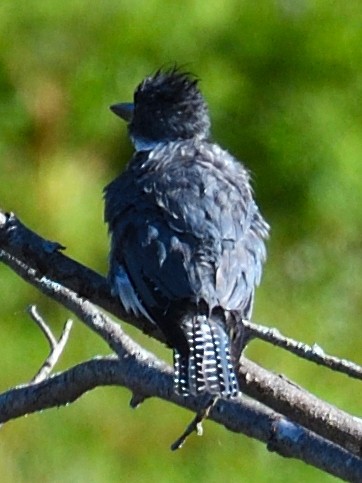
{"x": 187, "y": 239}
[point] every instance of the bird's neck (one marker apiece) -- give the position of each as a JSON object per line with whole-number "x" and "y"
{"x": 142, "y": 144}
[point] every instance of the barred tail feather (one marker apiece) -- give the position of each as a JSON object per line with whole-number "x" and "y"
{"x": 180, "y": 377}
{"x": 208, "y": 366}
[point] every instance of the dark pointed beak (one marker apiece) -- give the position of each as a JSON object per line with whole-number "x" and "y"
{"x": 123, "y": 110}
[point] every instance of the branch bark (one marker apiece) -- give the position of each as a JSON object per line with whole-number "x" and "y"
{"x": 290, "y": 420}
{"x": 311, "y": 353}
{"x": 56, "y": 346}
{"x": 241, "y": 416}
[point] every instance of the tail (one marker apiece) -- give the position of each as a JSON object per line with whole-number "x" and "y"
{"x": 208, "y": 366}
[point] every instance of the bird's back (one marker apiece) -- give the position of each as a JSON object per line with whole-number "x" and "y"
{"x": 188, "y": 236}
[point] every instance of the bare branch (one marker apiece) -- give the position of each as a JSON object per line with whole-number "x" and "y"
{"x": 312, "y": 353}
{"x": 43, "y": 258}
{"x": 33, "y": 259}
{"x": 241, "y": 416}
{"x": 38, "y": 319}
{"x": 56, "y": 347}
{"x": 287, "y": 434}
{"x": 196, "y": 424}
{"x": 278, "y": 393}
{"x": 136, "y": 400}
{"x": 292, "y": 401}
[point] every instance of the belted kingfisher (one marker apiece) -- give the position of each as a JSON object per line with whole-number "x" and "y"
{"x": 187, "y": 239}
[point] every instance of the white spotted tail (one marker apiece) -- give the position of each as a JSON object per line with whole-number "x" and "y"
{"x": 208, "y": 366}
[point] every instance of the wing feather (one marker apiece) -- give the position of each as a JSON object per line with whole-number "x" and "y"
{"x": 187, "y": 228}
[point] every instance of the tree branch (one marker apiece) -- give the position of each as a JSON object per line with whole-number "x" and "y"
{"x": 56, "y": 347}
{"x": 196, "y": 423}
{"x": 241, "y": 416}
{"x": 44, "y": 258}
{"x": 40, "y": 263}
{"x": 311, "y": 353}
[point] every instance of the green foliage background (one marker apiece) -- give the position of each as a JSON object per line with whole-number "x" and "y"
{"x": 284, "y": 83}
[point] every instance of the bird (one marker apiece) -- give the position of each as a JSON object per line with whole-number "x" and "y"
{"x": 187, "y": 240}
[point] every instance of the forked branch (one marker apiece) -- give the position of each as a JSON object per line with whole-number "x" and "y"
{"x": 290, "y": 420}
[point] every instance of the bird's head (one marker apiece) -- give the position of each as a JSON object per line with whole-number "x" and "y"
{"x": 168, "y": 106}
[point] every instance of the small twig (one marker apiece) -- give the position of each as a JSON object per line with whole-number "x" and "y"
{"x": 137, "y": 399}
{"x": 195, "y": 425}
{"x": 56, "y": 346}
{"x": 312, "y": 353}
{"x": 34, "y": 314}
